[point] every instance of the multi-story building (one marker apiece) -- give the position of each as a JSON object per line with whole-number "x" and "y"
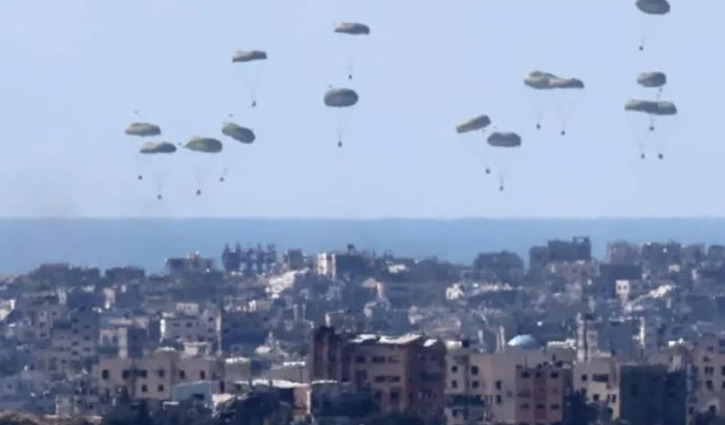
{"x": 182, "y": 327}
{"x": 404, "y": 374}
{"x": 74, "y": 340}
{"x": 649, "y": 394}
{"x": 153, "y": 377}
{"x": 540, "y": 394}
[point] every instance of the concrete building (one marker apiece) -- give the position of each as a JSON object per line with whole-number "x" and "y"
{"x": 405, "y": 374}
{"x": 74, "y": 340}
{"x": 540, "y": 394}
{"x": 651, "y": 395}
{"x": 182, "y": 327}
{"x": 153, "y": 377}
{"x": 499, "y": 267}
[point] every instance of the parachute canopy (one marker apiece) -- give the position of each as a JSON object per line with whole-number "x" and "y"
{"x": 352, "y": 28}
{"x": 652, "y": 79}
{"x": 652, "y": 107}
{"x": 504, "y": 140}
{"x": 204, "y": 144}
{"x": 341, "y": 98}
{"x": 474, "y": 124}
{"x": 654, "y": 7}
{"x": 546, "y": 81}
{"x": 238, "y": 133}
{"x": 142, "y": 129}
{"x": 241, "y": 56}
{"x": 152, "y": 148}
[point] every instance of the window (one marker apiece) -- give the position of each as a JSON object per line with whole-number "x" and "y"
{"x": 498, "y": 399}
{"x": 555, "y": 375}
{"x": 394, "y": 397}
{"x": 475, "y": 384}
{"x": 454, "y": 384}
{"x": 525, "y": 374}
{"x": 585, "y": 378}
{"x": 393, "y": 378}
{"x": 160, "y": 388}
{"x": 144, "y": 388}
{"x": 555, "y": 407}
{"x": 474, "y": 370}
{"x": 142, "y": 373}
{"x": 525, "y": 406}
{"x": 498, "y": 385}
{"x": 161, "y": 373}
{"x": 602, "y": 377}
{"x": 709, "y": 385}
{"x": 393, "y": 359}
{"x": 540, "y": 406}
{"x": 380, "y": 378}
{"x": 125, "y": 374}
{"x": 454, "y": 369}
{"x": 378, "y": 359}
{"x": 202, "y": 375}
{"x": 182, "y": 374}
{"x": 595, "y": 397}
{"x": 359, "y": 359}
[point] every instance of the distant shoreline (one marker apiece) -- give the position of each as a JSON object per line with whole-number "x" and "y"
{"x": 105, "y": 242}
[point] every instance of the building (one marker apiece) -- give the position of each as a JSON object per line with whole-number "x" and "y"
{"x": 649, "y": 394}
{"x": 501, "y": 267}
{"x": 153, "y": 377}
{"x": 74, "y": 340}
{"x": 404, "y": 374}
{"x": 540, "y": 394}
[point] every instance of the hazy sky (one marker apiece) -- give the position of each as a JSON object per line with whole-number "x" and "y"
{"x": 73, "y": 72}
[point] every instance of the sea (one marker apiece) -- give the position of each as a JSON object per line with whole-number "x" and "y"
{"x": 27, "y": 243}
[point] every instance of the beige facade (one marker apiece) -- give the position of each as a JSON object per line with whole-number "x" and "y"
{"x": 598, "y": 381}
{"x": 153, "y": 377}
{"x": 405, "y": 374}
{"x": 540, "y": 394}
{"x": 492, "y": 378}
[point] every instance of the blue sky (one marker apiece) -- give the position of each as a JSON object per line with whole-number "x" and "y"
{"x": 75, "y": 70}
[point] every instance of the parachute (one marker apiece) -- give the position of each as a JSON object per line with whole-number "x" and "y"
{"x": 352, "y": 28}
{"x": 504, "y": 146}
{"x": 504, "y": 140}
{"x": 242, "y": 56}
{"x": 242, "y": 135}
{"x": 653, "y": 7}
{"x": 652, "y": 11}
{"x": 205, "y": 160}
{"x": 204, "y": 145}
{"x": 474, "y": 124}
{"x": 355, "y": 29}
{"x": 342, "y": 100}
{"x": 153, "y": 148}
{"x": 238, "y": 133}
{"x": 562, "y": 91}
{"x": 652, "y": 79}
{"x": 547, "y": 81}
{"x": 142, "y": 129}
{"x": 155, "y": 163}
{"x": 251, "y": 72}
{"x": 470, "y": 129}
{"x": 660, "y": 108}
{"x": 644, "y": 131}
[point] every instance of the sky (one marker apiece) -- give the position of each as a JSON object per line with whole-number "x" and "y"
{"x": 74, "y": 72}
